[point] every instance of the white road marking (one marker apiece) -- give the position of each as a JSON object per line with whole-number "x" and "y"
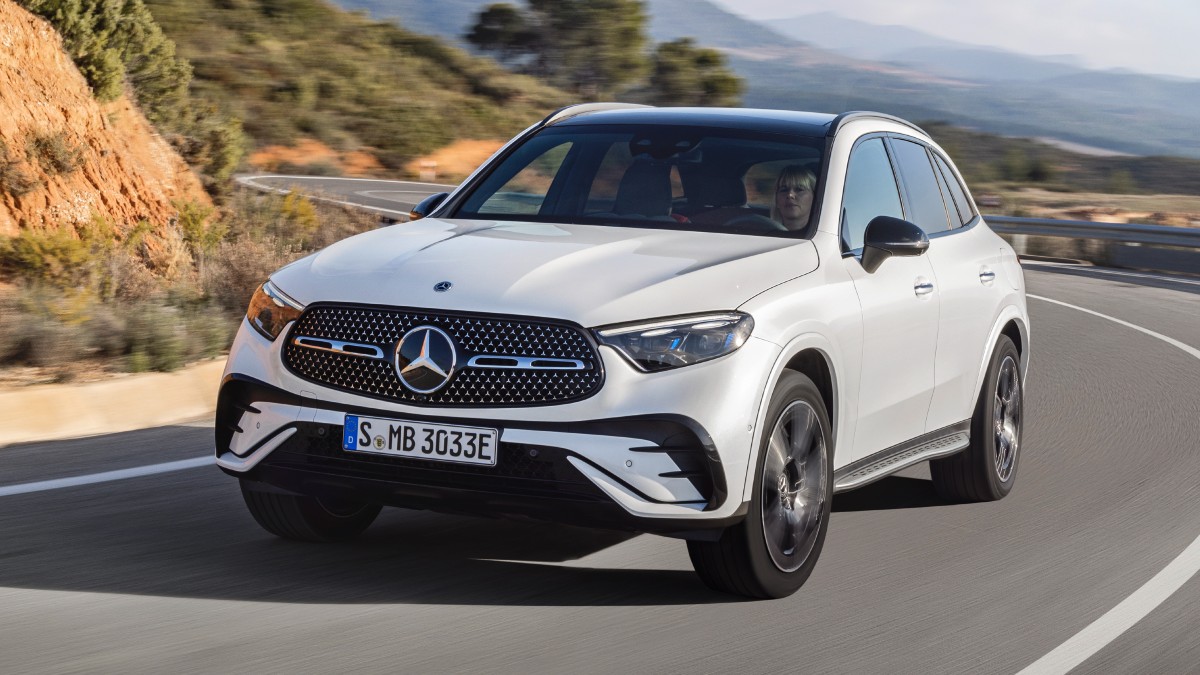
{"x": 1169, "y": 340}
{"x": 1144, "y": 600}
{"x": 368, "y": 180}
{"x": 285, "y": 191}
{"x": 122, "y": 474}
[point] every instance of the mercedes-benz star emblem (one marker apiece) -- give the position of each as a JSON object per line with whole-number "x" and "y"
{"x": 425, "y": 359}
{"x": 442, "y": 286}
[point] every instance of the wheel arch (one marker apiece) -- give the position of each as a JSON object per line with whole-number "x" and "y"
{"x": 1014, "y": 324}
{"x": 815, "y": 356}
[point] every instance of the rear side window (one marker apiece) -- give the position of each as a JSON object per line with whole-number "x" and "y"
{"x": 870, "y": 191}
{"x": 961, "y": 203}
{"x": 924, "y": 196}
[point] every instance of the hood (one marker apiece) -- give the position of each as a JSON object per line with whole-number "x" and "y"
{"x": 592, "y": 275}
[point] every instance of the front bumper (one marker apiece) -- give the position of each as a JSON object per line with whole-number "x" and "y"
{"x": 664, "y": 453}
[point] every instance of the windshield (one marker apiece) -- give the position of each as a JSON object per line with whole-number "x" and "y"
{"x": 677, "y": 177}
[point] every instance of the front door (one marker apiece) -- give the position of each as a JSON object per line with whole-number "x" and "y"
{"x": 900, "y": 307}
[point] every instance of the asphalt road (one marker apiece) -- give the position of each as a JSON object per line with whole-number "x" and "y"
{"x": 169, "y": 573}
{"x": 388, "y": 198}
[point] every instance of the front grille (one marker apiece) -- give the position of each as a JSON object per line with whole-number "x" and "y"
{"x": 473, "y": 336}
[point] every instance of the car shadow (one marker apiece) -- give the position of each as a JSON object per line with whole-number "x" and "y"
{"x": 188, "y": 534}
{"x": 893, "y": 492}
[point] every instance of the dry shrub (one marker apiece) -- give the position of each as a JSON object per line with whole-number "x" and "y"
{"x": 238, "y": 268}
{"x": 210, "y": 332}
{"x": 128, "y": 280}
{"x": 55, "y": 153}
{"x": 157, "y": 339}
{"x": 12, "y": 326}
{"x": 52, "y": 344}
{"x": 107, "y": 332}
{"x": 13, "y": 179}
{"x": 340, "y": 222}
{"x": 167, "y": 254}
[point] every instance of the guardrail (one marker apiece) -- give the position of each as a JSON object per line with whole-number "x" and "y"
{"x": 1161, "y": 235}
{"x": 1133, "y": 245}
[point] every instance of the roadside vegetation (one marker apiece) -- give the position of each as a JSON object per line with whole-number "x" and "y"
{"x": 93, "y": 299}
{"x": 294, "y": 69}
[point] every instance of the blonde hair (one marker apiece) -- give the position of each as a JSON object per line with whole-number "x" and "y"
{"x": 792, "y": 175}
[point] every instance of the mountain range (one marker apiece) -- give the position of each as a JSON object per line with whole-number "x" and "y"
{"x": 830, "y": 63}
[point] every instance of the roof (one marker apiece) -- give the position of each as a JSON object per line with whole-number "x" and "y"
{"x": 768, "y": 121}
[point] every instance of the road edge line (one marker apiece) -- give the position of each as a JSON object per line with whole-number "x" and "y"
{"x": 105, "y": 477}
{"x": 1112, "y": 624}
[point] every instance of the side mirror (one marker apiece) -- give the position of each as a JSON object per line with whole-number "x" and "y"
{"x": 427, "y": 205}
{"x": 886, "y": 237}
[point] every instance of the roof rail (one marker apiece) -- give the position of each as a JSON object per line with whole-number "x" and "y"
{"x": 583, "y": 108}
{"x": 852, "y": 115}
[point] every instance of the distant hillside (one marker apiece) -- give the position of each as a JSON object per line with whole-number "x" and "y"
{"x": 295, "y": 69}
{"x": 901, "y": 44}
{"x": 989, "y": 159}
{"x": 928, "y": 78}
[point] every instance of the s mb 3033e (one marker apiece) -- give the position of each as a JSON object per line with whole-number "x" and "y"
{"x": 699, "y": 323}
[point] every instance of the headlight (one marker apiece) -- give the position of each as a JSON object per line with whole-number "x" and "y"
{"x": 270, "y": 311}
{"x": 670, "y": 343}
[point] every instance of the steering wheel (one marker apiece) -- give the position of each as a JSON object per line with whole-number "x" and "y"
{"x": 753, "y": 221}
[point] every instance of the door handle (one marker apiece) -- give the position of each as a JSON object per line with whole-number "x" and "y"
{"x": 922, "y": 286}
{"x": 986, "y": 276}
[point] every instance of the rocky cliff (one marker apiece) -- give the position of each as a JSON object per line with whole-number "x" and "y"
{"x": 111, "y": 163}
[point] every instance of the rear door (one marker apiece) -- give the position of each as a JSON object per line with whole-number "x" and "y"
{"x": 966, "y": 267}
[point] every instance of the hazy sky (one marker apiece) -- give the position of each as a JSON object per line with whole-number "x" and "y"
{"x": 1153, "y": 36}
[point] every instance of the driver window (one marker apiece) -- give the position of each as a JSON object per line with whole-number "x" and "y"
{"x": 870, "y": 191}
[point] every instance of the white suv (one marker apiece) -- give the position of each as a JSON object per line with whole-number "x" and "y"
{"x": 699, "y": 323}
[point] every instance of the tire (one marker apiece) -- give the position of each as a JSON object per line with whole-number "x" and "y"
{"x": 752, "y": 558}
{"x": 307, "y": 518}
{"x": 987, "y": 469}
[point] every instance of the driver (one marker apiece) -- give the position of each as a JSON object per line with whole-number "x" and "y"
{"x": 793, "y": 197}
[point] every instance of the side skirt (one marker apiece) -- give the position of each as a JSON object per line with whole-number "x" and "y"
{"x": 940, "y": 443}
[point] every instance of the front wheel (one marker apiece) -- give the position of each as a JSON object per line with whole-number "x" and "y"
{"x": 307, "y": 518}
{"x": 771, "y": 553}
{"x": 987, "y": 470}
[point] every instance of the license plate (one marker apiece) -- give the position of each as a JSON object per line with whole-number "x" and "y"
{"x": 438, "y": 442}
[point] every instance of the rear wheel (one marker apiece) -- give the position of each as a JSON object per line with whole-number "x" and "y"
{"x": 987, "y": 470}
{"x": 771, "y": 553}
{"x": 307, "y": 518}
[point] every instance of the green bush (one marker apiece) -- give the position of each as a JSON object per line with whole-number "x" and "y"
{"x": 57, "y": 257}
{"x": 200, "y": 230}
